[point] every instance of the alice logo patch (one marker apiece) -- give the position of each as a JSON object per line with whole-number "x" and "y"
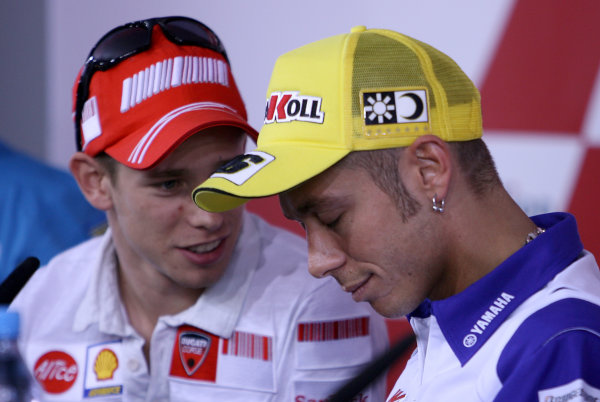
{"x": 105, "y": 365}
{"x": 394, "y": 107}
{"x": 56, "y": 371}
{"x": 289, "y": 106}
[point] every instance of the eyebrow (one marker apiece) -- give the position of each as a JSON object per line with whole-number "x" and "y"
{"x": 308, "y": 206}
{"x": 156, "y": 174}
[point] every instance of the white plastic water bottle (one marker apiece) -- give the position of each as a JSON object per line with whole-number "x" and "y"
{"x": 15, "y": 381}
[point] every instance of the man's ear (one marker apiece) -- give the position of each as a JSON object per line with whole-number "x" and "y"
{"x": 430, "y": 160}
{"x": 93, "y": 180}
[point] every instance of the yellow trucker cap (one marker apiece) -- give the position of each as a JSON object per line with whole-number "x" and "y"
{"x": 364, "y": 90}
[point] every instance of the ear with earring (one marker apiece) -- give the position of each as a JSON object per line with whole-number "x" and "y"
{"x": 438, "y": 206}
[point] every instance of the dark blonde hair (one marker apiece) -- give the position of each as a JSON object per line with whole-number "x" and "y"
{"x": 474, "y": 160}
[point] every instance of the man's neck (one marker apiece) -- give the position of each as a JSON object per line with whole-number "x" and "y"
{"x": 145, "y": 302}
{"x": 487, "y": 232}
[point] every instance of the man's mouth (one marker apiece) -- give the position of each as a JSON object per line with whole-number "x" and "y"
{"x": 204, "y": 248}
{"x": 354, "y": 287}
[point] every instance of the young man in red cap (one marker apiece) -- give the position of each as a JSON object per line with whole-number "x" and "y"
{"x": 373, "y": 140}
{"x": 175, "y": 303}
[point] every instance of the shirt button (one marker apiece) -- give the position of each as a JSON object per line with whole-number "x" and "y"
{"x": 133, "y": 365}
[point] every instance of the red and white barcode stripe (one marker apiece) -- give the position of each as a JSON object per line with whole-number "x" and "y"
{"x": 252, "y": 346}
{"x": 333, "y": 330}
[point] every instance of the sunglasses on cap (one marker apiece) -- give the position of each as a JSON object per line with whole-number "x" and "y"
{"x": 135, "y": 37}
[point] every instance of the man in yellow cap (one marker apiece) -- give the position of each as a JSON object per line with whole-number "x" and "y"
{"x": 373, "y": 141}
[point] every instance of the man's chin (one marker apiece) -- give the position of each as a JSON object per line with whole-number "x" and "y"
{"x": 388, "y": 310}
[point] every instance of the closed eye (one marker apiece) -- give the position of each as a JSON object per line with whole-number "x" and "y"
{"x": 333, "y": 223}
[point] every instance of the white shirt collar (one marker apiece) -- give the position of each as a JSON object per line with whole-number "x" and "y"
{"x": 216, "y": 311}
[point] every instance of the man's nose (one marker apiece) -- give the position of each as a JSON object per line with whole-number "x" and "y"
{"x": 324, "y": 252}
{"x": 202, "y": 219}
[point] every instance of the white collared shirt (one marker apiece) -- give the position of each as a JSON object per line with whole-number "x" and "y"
{"x": 244, "y": 339}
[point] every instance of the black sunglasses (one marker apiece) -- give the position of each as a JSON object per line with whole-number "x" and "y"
{"x": 133, "y": 38}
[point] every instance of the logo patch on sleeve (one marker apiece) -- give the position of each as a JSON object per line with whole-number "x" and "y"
{"x": 195, "y": 354}
{"x": 577, "y": 390}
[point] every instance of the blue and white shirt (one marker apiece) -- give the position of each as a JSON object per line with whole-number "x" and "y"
{"x": 527, "y": 331}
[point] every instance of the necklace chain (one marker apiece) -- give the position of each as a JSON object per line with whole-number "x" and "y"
{"x": 535, "y": 234}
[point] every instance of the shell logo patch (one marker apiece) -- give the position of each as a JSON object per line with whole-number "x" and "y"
{"x": 56, "y": 371}
{"x": 105, "y": 365}
{"x": 103, "y": 376}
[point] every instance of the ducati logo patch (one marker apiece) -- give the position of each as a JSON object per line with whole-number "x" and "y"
{"x": 193, "y": 349}
{"x": 394, "y": 107}
{"x": 195, "y": 354}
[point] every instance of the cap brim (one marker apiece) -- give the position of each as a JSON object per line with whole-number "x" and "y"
{"x": 146, "y": 147}
{"x": 263, "y": 172}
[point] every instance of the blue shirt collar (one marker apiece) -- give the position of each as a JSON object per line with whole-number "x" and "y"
{"x": 469, "y": 318}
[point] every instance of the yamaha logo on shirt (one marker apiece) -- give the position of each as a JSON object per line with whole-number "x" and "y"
{"x": 486, "y": 318}
{"x": 394, "y": 107}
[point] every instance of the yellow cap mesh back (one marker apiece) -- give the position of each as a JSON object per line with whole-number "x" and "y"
{"x": 386, "y": 60}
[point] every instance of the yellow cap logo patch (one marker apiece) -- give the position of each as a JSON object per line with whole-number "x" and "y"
{"x": 394, "y": 107}
{"x": 290, "y": 106}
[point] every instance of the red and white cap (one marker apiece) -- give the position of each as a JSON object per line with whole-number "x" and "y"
{"x": 144, "y": 107}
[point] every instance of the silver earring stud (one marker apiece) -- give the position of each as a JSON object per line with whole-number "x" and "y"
{"x": 438, "y": 207}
